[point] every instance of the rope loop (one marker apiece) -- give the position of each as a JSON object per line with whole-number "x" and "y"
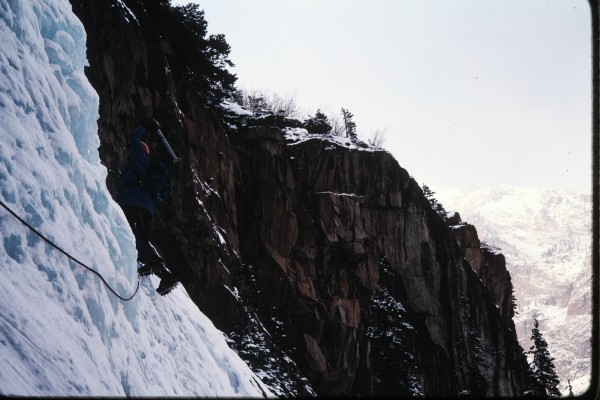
{"x": 70, "y": 257}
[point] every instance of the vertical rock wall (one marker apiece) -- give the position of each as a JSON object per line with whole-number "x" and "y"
{"x": 317, "y": 219}
{"x": 488, "y": 264}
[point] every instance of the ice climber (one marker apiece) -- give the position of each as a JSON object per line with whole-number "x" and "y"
{"x": 139, "y": 204}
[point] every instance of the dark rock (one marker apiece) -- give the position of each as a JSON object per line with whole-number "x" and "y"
{"x": 287, "y": 247}
{"x": 453, "y": 219}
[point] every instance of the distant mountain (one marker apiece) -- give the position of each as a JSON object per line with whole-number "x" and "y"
{"x": 545, "y": 236}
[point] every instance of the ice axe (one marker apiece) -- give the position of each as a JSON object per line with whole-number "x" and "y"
{"x": 168, "y": 146}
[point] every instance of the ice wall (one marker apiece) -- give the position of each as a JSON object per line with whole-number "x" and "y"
{"x": 61, "y": 331}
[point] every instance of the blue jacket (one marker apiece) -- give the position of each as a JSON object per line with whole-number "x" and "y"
{"x": 129, "y": 190}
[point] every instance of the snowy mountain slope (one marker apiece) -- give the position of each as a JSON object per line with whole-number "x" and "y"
{"x": 62, "y": 333}
{"x": 545, "y": 236}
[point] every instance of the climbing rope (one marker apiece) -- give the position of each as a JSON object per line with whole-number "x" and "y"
{"x": 51, "y": 243}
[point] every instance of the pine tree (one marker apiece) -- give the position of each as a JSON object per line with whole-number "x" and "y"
{"x": 349, "y": 123}
{"x": 542, "y": 366}
{"x": 201, "y": 60}
{"x": 513, "y": 303}
{"x": 258, "y": 105}
{"x": 435, "y": 204}
{"x": 428, "y": 193}
{"x": 390, "y": 334}
{"x": 318, "y": 124}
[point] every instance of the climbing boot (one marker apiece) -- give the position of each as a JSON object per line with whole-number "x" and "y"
{"x": 152, "y": 267}
{"x": 167, "y": 284}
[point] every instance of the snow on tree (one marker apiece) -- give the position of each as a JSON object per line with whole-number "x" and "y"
{"x": 318, "y": 124}
{"x": 542, "y": 366}
{"x": 258, "y": 105}
{"x": 349, "y": 123}
{"x": 390, "y": 332}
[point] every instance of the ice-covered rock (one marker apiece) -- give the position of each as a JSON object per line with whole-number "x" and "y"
{"x": 62, "y": 332}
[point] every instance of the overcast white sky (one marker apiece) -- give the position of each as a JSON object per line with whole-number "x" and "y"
{"x": 469, "y": 92}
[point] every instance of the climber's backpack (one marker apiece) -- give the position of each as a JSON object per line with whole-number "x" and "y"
{"x": 157, "y": 183}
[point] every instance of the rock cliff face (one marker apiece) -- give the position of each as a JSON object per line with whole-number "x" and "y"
{"x": 325, "y": 257}
{"x": 488, "y": 264}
